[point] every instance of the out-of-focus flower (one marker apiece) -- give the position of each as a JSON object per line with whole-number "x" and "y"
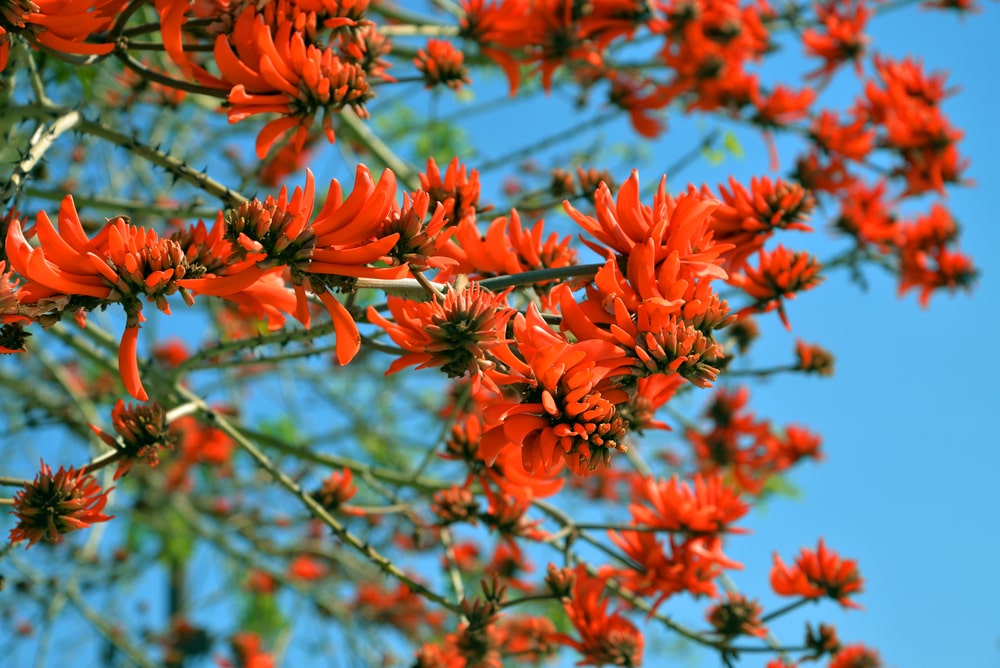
{"x": 604, "y": 637}
{"x": 812, "y": 358}
{"x": 856, "y": 656}
{"x": 442, "y": 65}
{"x": 708, "y": 506}
{"x": 55, "y": 504}
{"x": 143, "y": 432}
{"x": 737, "y": 616}
{"x": 304, "y": 567}
{"x": 819, "y": 573}
{"x": 841, "y": 38}
{"x": 780, "y": 275}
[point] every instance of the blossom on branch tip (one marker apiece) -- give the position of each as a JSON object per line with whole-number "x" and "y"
{"x": 143, "y": 432}
{"x": 441, "y": 64}
{"x": 55, "y": 504}
{"x": 780, "y": 275}
{"x": 690, "y": 565}
{"x": 707, "y": 506}
{"x": 70, "y": 272}
{"x": 61, "y": 26}
{"x": 322, "y": 255}
{"x": 813, "y": 358}
{"x": 819, "y": 573}
{"x": 567, "y": 415}
{"x": 454, "y": 332}
{"x": 855, "y": 656}
{"x": 748, "y": 217}
{"x": 275, "y": 71}
{"x": 681, "y": 226}
{"x": 841, "y": 38}
{"x": 604, "y": 637}
{"x": 737, "y": 616}
{"x": 457, "y": 189}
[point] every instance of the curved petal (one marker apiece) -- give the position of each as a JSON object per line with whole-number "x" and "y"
{"x": 348, "y": 338}
{"x": 128, "y": 364}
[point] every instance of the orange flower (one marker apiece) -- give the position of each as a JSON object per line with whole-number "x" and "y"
{"x": 400, "y": 608}
{"x": 780, "y": 275}
{"x": 818, "y": 574}
{"x": 706, "y": 508}
{"x": 442, "y": 64}
{"x": 813, "y": 359}
{"x": 197, "y": 444}
{"x": 57, "y": 504}
{"x": 248, "y": 648}
{"x": 322, "y": 255}
{"x": 419, "y": 244}
{"x": 796, "y": 444}
{"x": 68, "y": 272}
{"x": 505, "y": 249}
{"x": 853, "y": 140}
{"x": 454, "y": 333}
{"x": 497, "y": 27}
{"x": 855, "y": 656}
{"x": 749, "y": 217}
{"x": 62, "y": 26}
{"x": 842, "y": 38}
{"x": 458, "y": 189}
{"x": 304, "y": 567}
{"x": 933, "y": 270}
{"x": 568, "y": 414}
{"x": 337, "y": 489}
{"x": 738, "y": 444}
{"x": 691, "y": 565}
{"x": 639, "y": 96}
{"x": 681, "y": 226}
{"x": 605, "y": 637}
{"x": 275, "y": 71}
{"x": 737, "y": 616}
{"x": 143, "y": 432}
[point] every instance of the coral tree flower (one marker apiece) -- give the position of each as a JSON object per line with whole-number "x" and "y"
{"x": 737, "y": 616}
{"x": 749, "y": 217}
{"x": 856, "y": 656}
{"x": 457, "y": 189}
{"x": 842, "y": 38}
{"x": 274, "y": 70}
{"x": 442, "y": 64}
{"x": 781, "y": 274}
{"x": 453, "y": 333}
{"x": 568, "y": 414}
{"x": 818, "y": 574}
{"x": 69, "y": 272}
{"x": 143, "y": 432}
{"x": 62, "y": 26}
{"x": 323, "y": 254}
{"x": 57, "y": 504}
{"x": 708, "y": 506}
{"x": 604, "y": 637}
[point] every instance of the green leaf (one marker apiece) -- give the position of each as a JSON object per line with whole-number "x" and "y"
{"x": 177, "y": 538}
{"x": 713, "y": 156}
{"x": 262, "y": 615}
{"x": 283, "y": 427}
{"x": 732, "y": 144}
